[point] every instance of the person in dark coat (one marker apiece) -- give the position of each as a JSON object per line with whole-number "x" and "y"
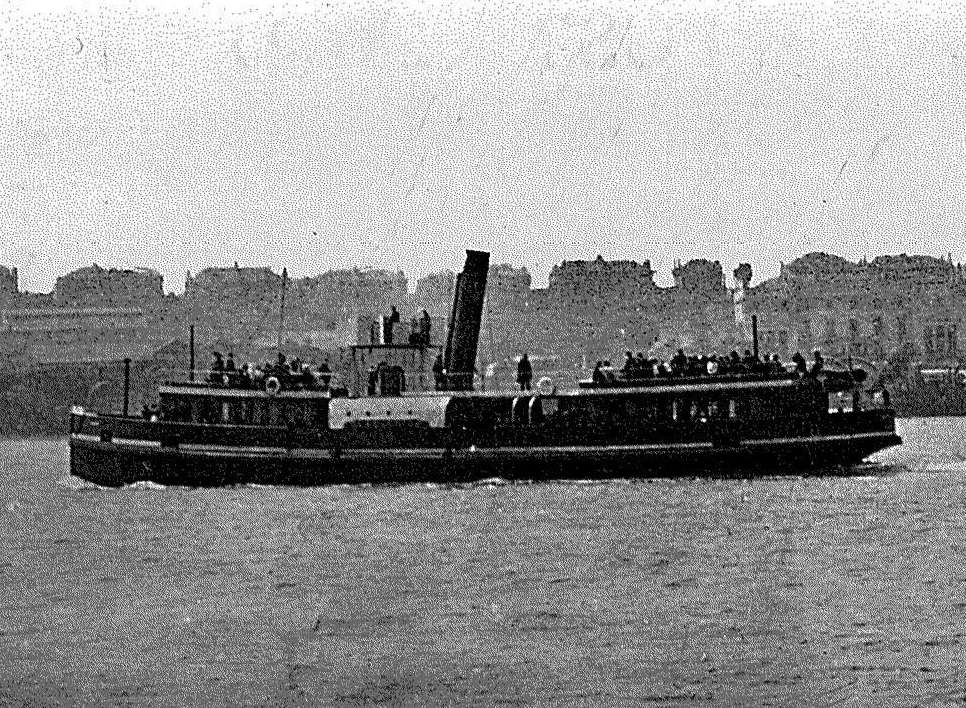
{"x": 679, "y": 363}
{"x": 388, "y": 322}
{"x": 598, "y": 376}
{"x": 217, "y": 368}
{"x": 524, "y": 373}
{"x": 628, "y": 371}
{"x": 325, "y": 374}
{"x": 818, "y": 363}
{"x": 801, "y": 366}
{"x": 424, "y": 326}
{"x": 373, "y": 381}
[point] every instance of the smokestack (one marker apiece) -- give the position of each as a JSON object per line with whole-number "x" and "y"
{"x": 463, "y": 337}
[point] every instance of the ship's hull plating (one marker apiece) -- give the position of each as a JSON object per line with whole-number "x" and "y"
{"x": 117, "y": 463}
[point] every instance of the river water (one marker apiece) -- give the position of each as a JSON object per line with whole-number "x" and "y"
{"x": 769, "y": 591}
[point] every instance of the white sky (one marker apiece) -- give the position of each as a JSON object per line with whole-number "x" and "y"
{"x": 182, "y": 135}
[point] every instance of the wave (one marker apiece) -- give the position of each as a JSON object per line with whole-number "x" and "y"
{"x": 145, "y": 484}
{"x": 76, "y": 484}
{"x": 491, "y": 482}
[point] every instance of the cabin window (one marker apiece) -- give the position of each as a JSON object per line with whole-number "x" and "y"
{"x": 238, "y": 411}
{"x": 175, "y": 408}
{"x": 646, "y": 411}
{"x": 550, "y": 406}
{"x": 307, "y": 413}
{"x": 274, "y": 413}
{"x": 206, "y": 410}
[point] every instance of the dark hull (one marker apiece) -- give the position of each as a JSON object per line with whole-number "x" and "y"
{"x": 116, "y": 463}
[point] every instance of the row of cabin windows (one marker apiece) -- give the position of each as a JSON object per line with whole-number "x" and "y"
{"x": 703, "y": 409}
{"x": 526, "y": 410}
{"x": 246, "y": 411}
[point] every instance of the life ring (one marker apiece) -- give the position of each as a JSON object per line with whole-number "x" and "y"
{"x": 272, "y": 385}
{"x": 545, "y": 386}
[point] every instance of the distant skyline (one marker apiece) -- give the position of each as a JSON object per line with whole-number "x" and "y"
{"x": 183, "y": 135}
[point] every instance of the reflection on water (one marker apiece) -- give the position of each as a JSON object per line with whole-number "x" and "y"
{"x": 781, "y": 590}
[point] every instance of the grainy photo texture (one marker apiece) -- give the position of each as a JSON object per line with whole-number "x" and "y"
{"x": 482, "y": 353}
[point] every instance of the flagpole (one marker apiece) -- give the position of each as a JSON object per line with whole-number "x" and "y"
{"x": 281, "y": 309}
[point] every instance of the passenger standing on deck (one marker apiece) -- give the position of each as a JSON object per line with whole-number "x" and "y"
{"x": 734, "y": 361}
{"x": 281, "y": 367}
{"x": 818, "y": 363}
{"x": 628, "y": 370}
{"x": 524, "y": 372}
{"x": 373, "y": 381}
{"x": 424, "y": 325}
{"x": 598, "y": 376}
{"x": 608, "y": 370}
{"x": 776, "y": 365}
{"x": 325, "y": 374}
{"x": 388, "y": 321}
{"x": 230, "y": 362}
{"x": 801, "y": 366}
{"x": 712, "y": 365}
{"x": 679, "y": 363}
{"x": 217, "y": 368}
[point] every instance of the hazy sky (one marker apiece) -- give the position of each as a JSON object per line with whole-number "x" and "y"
{"x": 322, "y": 135}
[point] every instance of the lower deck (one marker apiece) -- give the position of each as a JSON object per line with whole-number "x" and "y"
{"x": 125, "y": 462}
{"x": 113, "y": 450}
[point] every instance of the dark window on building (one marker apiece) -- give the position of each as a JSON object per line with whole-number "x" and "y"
{"x": 829, "y": 333}
{"x": 901, "y": 332}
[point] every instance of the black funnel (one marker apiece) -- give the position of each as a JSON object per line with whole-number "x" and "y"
{"x": 464, "y": 323}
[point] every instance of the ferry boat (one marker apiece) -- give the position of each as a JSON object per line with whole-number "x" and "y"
{"x": 411, "y": 424}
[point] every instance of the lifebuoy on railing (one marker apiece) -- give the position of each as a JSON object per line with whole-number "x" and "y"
{"x": 272, "y": 385}
{"x": 545, "y": 386}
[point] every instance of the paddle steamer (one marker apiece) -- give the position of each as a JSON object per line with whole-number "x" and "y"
{"x": 415, "y": 424}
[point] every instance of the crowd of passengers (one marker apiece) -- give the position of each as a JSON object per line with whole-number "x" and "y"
{"x": 292, "y": 374}
{"x": 637, "y": 367}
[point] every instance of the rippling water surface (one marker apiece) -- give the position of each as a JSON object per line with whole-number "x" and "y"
{"x": 781, "y": 590}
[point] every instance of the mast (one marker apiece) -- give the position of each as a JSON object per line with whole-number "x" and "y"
{"x": 281, "y": 309}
